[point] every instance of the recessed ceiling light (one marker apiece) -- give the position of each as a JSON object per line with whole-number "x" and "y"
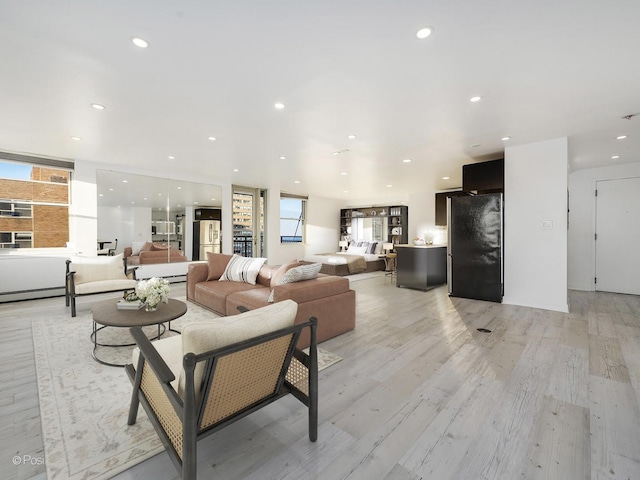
{"x": 77, "y": 139}
{"x": 125, "y": 181}
{"x": 475, "y": 99}
{"x": 475, "y": 145}
{"x": 343, "y": 173}
{"x": 445, "y": 178}
{"x": 179, "y": 188}
{"x": 111, "y": 189}
{"x": 213, "y": 199}
{"x": 389, "y": 186}
{"x": 621, "y": 137}
{"x": 144, "y": 198}
{"x": 235, "y": 169}
{"x": 133, "y": 203}
{"x": 504, "y": 139}
{"x": 406, "y": 160}
{"x": 279, "y": 106}
{"x": 139, "y": 42}
{"x": 195, "y": 203}
{"x": 296, "y": 181}
{"x": 615, "y": 156}
{"x": 171, "y": 157}
{"x": 335, "y": 153}
{"x": 213, "y": 139}
{"x": 282, "y": 157}
{"x": 351, "y": 137}
{"x": 101, "y": 194}
{"x": 424, "y": 32}
{"x": 345, "y": 191}
{"x": 97, "y": 106}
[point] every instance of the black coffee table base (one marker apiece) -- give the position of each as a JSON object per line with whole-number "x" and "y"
{"x": 94, "y": 338}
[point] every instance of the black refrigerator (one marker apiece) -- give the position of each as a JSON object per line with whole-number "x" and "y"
{"x": 475, "y": 247}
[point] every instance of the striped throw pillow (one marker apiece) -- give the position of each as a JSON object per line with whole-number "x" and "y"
{"x": 298, "y": 274}
{"x": 242, "y": 269}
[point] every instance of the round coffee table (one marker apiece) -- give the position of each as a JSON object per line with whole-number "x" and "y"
{"x": 106, "y": 313}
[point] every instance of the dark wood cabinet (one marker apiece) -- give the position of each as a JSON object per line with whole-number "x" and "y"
{"x": 441, "y": 205}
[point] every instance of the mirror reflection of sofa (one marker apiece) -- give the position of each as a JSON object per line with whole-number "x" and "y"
{"x": 144, "y": 253}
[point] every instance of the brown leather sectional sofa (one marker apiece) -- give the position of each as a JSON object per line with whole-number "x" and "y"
{"x": 326, "y": 297}
{"x": 153, "y": 253}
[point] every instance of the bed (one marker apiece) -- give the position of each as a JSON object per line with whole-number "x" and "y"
{"x": 354, "y": 260}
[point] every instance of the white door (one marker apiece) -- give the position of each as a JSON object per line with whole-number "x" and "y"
{"x": 618, "y": 236}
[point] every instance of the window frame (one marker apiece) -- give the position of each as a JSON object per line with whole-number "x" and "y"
{"x": 302, "y": 219}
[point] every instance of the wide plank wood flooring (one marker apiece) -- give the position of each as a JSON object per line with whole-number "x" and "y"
{"x": 420, "y": 394}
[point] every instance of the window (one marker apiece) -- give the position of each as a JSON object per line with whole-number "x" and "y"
{"x": 35, "y": 195}
{"x": 292, "y": 218}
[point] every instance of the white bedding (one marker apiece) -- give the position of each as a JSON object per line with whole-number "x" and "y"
{"x": 338, "y": 258}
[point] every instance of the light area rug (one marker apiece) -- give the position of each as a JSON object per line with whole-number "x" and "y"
{"x": 84, "y": 405}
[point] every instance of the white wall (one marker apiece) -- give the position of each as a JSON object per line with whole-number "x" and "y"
{"x": 582, "y": 220}
{"x": 422, "y": 217}
{"x": 535, "y": 259}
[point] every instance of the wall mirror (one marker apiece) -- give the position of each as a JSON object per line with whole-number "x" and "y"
{"x": 140, "y": 208}
{"x": 369, "y": 229}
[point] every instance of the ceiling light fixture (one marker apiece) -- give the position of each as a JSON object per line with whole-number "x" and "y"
{"x": 614, "y": 157}
{"x": 139, "y": 42}
{"x": 621, "y": 137}
{"x": 445, "y": 178}
{"x": 235, "y": 170}
{"x": 279, "y": 106}
{"x": 351, "y": 137}
{"x": 475, "y": 145}
{"x": 171, "y": 157}
{"x": 296, "y": 181}
{"x": 77, "y": 139}
{"x": 389, "y": 186}
{"x": 97, "y": 106}
{"x": 213, "y": 139}
{"x": 504, "y": 139}
{"x": 335, "y": 153}
{"x": 343, "y": 173}
{"x": 125, "y": 181}
{"x": 475, "y": 99}
{"x": 406, "y": 160}
{"x": 424, "y": 32}
{"x": 283, "y": 157}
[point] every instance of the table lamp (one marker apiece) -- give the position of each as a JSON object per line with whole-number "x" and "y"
{"x": 343, "y": 244}
{"x": 387, "y": 246}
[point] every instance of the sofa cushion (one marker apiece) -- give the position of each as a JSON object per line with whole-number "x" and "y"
{"x": 159, "y": 246}
{"x": 95, "y": 269}
{"x": 251, "y": 299}
{"x": 242, "y": 269}
{"x": 203, "y": 337}
{"x": 323, "y": 286}
{"x": 298, "y": 274}
{"x": 217, "y": 263}
{"x": 213, "y": 294}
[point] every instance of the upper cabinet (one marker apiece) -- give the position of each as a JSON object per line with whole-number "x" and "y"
{"x": 441, "y": 205}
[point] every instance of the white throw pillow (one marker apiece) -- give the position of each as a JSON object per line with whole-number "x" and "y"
{"x": 298, "y": 274}
{"x": 353, "y": 250}
{"x": 242, "y": 269}
{"x": 95, "y": 269}
{"x": 136, "y": 246}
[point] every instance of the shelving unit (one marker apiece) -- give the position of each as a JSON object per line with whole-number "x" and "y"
{"x": 397, "y": 221}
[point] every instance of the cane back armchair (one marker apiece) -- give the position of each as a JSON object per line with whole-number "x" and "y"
{"x": 253, "y": 362}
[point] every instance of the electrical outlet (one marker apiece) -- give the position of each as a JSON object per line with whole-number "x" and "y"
{"x": 546, "y": 224}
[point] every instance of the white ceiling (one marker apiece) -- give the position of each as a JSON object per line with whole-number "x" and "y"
{"x": 545, "y": 69}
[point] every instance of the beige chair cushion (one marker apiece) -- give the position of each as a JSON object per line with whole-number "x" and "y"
{"x": 170, "y": 349}
{"x": 96, "y": 269}
{"x": 105, "y": 286}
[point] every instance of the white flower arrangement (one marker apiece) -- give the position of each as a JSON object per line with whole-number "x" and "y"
{"x": 153, "y": 291}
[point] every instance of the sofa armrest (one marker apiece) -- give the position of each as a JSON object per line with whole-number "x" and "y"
{"x": 197, "y": 272}
{"x": 127, "y": 252}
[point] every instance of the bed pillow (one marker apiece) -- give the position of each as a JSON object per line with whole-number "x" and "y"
{"x": 372, "y": 247}
{"x": 217, "y": 263}
{"x": 275, "y": 279}
{"x": 242, "y": 269}
{"x": 297, "y": 274}
{"x": 357, "y": 250}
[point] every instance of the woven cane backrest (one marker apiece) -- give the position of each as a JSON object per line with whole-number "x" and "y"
{"x": 243, "y": 378}
{"x": 160, "y": 404}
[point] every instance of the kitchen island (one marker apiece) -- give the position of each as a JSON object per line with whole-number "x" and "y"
{"x": 421, "y": 267}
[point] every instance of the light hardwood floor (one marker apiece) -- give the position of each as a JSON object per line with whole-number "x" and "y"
{"x": 420, "y": 394}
